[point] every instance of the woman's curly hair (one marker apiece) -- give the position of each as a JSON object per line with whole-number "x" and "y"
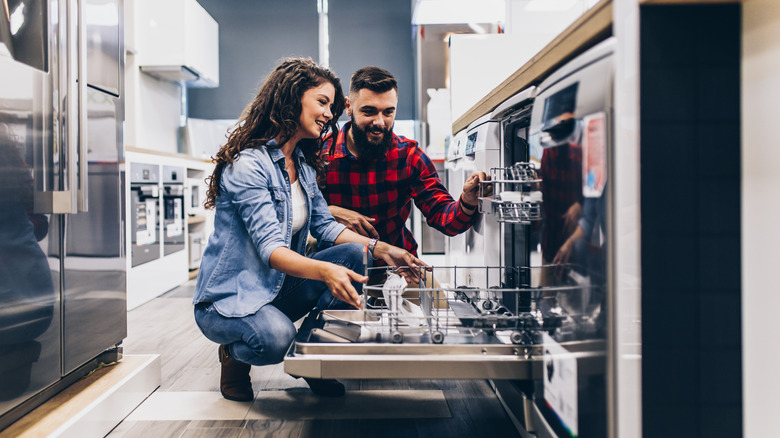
{"x": 275, "y": 113}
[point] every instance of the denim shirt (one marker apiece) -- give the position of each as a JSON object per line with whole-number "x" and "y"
{"x": 253, "y": 218}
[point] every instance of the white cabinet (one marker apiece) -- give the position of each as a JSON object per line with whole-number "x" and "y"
{"x": 177, "y": 40}
{"x": 157, "y": 262}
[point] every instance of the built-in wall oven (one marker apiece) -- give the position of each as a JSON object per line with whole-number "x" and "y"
{"x": 144, "y": 207}
{"x": 173, "y": 206}
{"x": 531, "y": 315}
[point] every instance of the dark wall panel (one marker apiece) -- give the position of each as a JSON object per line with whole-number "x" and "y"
{"x": 690, "y": 197}
{"x": 253, "y": 36}
{"x": 374, "y": 32}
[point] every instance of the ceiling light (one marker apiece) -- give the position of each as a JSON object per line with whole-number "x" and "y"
{"x": 458, "y": 11}
{"x": 550, "y": 5}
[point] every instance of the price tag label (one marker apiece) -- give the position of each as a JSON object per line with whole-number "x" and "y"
{"x": 594, "y": 154}
{"x": 560, "y": 382}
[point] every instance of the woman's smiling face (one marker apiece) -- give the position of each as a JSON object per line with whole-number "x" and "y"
{"x": 316, "y": 109}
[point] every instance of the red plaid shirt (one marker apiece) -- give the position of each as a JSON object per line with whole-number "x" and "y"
{"x": 384, "y": 189}
{"x": 561, "y": 174}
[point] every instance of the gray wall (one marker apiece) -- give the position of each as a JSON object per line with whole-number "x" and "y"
{"x": 374, "y": 32}
{"x": 255, "y": 34}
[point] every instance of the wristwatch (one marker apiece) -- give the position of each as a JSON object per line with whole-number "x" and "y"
{"x": 371, "y": 246}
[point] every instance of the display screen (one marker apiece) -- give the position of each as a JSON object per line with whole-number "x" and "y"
{"x": 564, "y": 101}
{"x": 471, "y": 143}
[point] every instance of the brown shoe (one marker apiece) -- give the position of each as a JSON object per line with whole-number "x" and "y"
{"x": 234, "y": 381}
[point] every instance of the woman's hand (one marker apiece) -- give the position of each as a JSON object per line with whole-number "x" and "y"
{"x": 337, "y": 278}
{"x": 339, "y": 281}
{"x": 571, "y": 217}
{"x": 394, "y": 256}
{"x": 564, "y": 253}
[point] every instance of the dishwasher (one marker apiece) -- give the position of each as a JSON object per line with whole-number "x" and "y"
{"x": 521, "y": 307}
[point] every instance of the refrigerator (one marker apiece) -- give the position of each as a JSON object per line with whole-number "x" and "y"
{"x": 62, "y": 248}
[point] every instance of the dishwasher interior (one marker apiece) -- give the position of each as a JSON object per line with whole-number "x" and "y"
{"x": 508, "y": 307}
{"x": 492, "y": 328}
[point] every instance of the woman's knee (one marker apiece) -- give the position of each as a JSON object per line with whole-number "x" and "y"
{"x": 270, "y": 346}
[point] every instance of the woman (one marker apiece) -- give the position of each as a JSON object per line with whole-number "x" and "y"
{"x": 254, "y": 281}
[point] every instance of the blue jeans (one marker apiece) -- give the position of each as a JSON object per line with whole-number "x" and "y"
{"x": 264, "y": 337}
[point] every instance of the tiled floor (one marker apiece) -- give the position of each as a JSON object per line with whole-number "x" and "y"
{"x": 294, "y": 405}
{"x": 188, "y": 402}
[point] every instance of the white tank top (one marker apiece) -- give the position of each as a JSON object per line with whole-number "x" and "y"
{"x": 299, "y": 211}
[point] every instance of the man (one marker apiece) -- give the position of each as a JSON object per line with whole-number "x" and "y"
{"x": 373, "y": 174}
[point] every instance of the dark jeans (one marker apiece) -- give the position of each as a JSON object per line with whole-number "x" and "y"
{"x": 264, "y": 337}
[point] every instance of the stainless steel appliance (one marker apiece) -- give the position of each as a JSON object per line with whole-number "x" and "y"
{"x": 535, "y": 323}
{"x": 566, "y": 138}
{"x": 62, "y": 263}
{"x": 477, "y": 149}
{"x": 173, "y": 206}
{"x": 145, "y": 207}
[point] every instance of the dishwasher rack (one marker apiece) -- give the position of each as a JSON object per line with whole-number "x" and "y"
{"x": 468, "y": 305}
{"x": 512, "y": 194}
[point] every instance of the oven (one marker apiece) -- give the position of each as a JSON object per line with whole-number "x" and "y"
{"x": 510, "y": 306}
{"x": 145, "y": 206}
{"x": 173, "y": 209}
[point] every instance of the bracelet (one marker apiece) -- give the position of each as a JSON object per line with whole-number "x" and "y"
{"x": 371, "y": 247}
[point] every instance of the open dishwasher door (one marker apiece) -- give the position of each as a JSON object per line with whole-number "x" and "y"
{"x": 452, "y": 330}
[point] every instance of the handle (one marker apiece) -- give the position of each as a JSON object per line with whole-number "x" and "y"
{"x": 83, "y": 187}
{"x": 65, "y": 201}
{"x": 71, "y": 100}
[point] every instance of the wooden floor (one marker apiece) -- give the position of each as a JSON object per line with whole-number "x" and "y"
{"x": 190, "y": 367}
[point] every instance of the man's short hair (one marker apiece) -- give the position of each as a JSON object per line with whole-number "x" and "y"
{"x": 375, "y": 79}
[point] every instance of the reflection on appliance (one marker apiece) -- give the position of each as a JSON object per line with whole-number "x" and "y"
{"x": 144, "y": 202}
{"x": 27, "y": 296}
{"x": 569, "y": 137}
{"x": 173, "y": 205}
{"x": 62, "y": 269}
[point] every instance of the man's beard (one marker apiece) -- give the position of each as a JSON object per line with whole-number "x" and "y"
{"x": 368, "y": 150}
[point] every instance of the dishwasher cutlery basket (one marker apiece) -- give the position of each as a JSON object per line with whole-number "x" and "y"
{"x": 512, "y": 194}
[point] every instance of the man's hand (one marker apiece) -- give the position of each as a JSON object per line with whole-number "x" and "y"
{"x": 355, "y": 221}
{"x": 471, "y": 189}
